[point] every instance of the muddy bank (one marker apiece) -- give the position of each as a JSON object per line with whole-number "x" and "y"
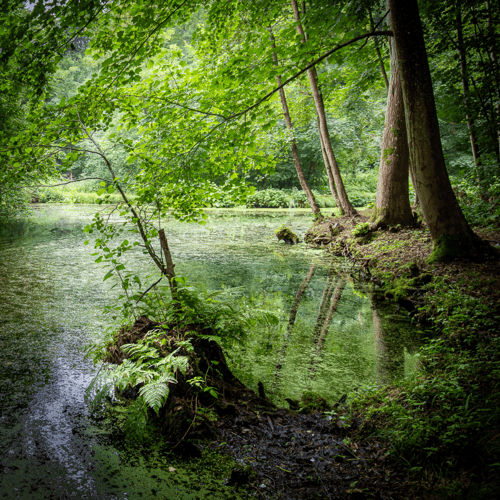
{"x": 307, "y": 453}
{"x": 447, "y": 414}
{"x": 289, "y": 455}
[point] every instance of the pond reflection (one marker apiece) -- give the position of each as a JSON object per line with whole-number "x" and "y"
{"x": 329, "y": 340}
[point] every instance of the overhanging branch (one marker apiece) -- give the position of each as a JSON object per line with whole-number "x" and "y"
{"x": 309, "y": 66}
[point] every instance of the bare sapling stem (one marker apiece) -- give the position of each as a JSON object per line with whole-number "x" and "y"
{"x": 168, "y": 269}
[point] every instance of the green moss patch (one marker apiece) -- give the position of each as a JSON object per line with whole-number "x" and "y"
{"x": 285, "y": 234}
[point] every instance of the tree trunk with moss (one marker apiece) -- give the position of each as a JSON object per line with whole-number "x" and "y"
{"x": 450, "y": 231}
{"x": 345, "y": 205}
{"x": 392, "y": 205}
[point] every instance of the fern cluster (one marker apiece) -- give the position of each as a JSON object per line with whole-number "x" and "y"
{"x": 152, "y": 364}
{"x": 147, "y": 368}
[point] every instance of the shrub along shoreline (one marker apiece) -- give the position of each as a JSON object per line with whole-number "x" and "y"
{"x": 268, "y": 198}
{"x": 442, "y": 423}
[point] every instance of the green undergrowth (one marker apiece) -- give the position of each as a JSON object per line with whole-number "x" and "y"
{"x": 480, "y": 208}
{"x": 280, "y": 198}
{"x": 442, "y": 423}
{"x": 170, "y": 357}
{"x": 85, "y": 193}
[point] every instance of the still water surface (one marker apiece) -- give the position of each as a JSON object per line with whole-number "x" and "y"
{"x": 330, "y": 340}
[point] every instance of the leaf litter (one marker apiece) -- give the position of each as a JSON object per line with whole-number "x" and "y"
{"x": 288, "y": 455}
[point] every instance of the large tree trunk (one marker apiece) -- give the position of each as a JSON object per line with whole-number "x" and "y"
{"x": 392, "y": 205}
{"x": 345, "y": 204}
{"x": 450, "y": 231}
{"x": 295, "y": 152}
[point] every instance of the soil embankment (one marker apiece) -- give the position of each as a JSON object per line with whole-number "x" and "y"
{"x": 302, "y": 454}
{"x": 448, "y": 413}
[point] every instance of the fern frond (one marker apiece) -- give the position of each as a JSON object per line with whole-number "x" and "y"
{"x": 214, "y": 338}
{"x": 130, "y": 374}
{"x": 99, "y": 388}
{"x": 171, "y": 364}
{"x": 156, "y": 393}
{"x": 140, "y": 351}
{"x": 260, "y": 317}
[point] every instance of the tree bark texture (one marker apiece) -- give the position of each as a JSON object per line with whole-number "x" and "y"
{"x": 345, "y": 204}
{"x": 168, "y": 269}
{"x": 295, "y": 151}
{"x": 392, "y": 205}
{"x": 450, "y": 231}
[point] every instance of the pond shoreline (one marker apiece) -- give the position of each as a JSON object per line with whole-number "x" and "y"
{"x": 52, "y": 296}
{"x": 458, "y": 385}
{"x": 298, "y": 454}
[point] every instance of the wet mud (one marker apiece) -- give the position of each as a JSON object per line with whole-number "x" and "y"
{"x": 285, "y": 455}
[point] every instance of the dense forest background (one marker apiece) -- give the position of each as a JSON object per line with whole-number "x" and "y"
{"x": 186, "y": 93}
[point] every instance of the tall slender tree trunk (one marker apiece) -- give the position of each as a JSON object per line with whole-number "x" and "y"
{"x": 169, "y": 269}
{"x": 295, "y": 152}
{"x": 392, "y": 205}
{"x": 386, "y": 81}
{"x": 329, "y": 172}
{"x": 466, "y": 95}
{"x": 494, "y": 60}
{"x": 345, "y": 204}
{"x": 450, "y": 231}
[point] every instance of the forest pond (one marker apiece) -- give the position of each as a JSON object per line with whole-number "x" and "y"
{"x": 51, "y": 304}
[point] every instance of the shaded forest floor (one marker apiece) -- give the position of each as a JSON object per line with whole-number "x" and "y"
{"x": 443, "y": 424}
{"x": 292, "y": 456}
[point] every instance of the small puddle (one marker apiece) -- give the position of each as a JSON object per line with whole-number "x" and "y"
{"x": 329, "y": 340}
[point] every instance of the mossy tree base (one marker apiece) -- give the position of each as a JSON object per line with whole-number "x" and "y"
{"x": 449, "y": 247}
{"x": 383, "y": 218}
